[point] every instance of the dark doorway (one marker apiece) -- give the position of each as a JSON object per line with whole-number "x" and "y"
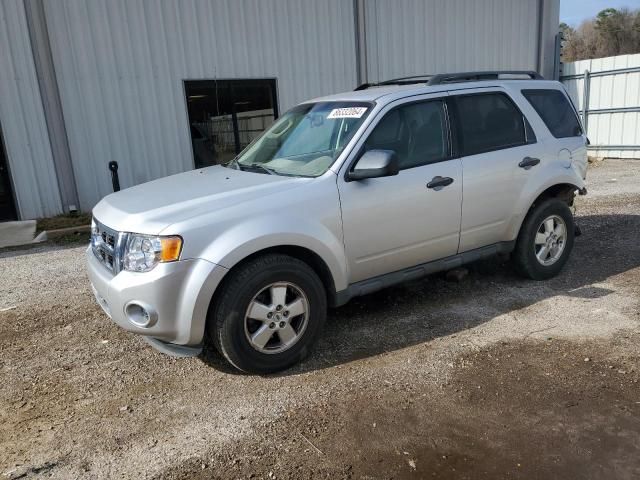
{"x": 7, "y": 205}
{"x": 226, "y": 115}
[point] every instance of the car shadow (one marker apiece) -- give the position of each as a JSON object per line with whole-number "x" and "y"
{"x": 423, "y": 310}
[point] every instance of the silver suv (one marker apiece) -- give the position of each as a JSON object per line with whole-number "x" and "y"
{"x": 344, "y": 195}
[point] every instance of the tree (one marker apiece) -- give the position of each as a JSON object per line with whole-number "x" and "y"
{"x": 612, "y": 32}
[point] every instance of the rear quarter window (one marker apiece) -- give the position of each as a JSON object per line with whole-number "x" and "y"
{"x": 556, "y": 112}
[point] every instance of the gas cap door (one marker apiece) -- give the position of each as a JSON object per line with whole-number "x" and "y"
{"x": 564, "y": 156}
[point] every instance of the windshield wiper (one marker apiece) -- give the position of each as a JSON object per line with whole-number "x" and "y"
{"x": 235, "y": 164}
{"x": 257, "y": 166}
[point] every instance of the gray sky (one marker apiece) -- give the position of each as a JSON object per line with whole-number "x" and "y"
{"x": 573, "y": 12}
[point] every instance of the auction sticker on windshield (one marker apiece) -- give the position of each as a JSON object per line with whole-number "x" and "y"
{"x": 347, "y": 112}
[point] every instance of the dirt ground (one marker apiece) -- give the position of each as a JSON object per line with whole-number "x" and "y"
{"x": 492, "y": 377}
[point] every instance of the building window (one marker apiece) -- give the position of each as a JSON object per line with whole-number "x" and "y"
{"x": 226, "y": 115}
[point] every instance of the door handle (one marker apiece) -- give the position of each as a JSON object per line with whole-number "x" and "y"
{"x": 528, "y": 162}
{"x": 438, "y": 182}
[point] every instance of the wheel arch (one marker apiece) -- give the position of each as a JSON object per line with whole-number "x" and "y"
{"x": 304, "y": 254}
{"x": 562, "y": 190}
{"x": 554, "y": 202}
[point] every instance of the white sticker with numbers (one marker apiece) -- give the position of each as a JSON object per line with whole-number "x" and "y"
{"x": 347, "y": 112}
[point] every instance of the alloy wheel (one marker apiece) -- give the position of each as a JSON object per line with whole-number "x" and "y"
{"x": 276, "y": 317}
{"x": 550, "y": 240}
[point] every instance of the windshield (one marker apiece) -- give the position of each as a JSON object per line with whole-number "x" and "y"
{"x": 305, "y": 141}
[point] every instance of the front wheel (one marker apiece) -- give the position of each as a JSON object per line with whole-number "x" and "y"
{"x": 268, "y": 314}
{"x": 545, "y": 240}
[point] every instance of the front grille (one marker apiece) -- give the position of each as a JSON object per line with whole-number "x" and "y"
{"x": 109, "y": 239}
{"x": 108, "y": 246}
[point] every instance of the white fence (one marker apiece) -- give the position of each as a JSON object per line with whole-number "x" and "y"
{"x": 607, "y": 93}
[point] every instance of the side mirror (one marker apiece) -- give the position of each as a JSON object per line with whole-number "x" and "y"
{"x": 375, "y": 164}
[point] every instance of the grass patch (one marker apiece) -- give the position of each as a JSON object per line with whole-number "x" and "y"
{"x": 71, "y": 239}
{"x": 63, "y": 221}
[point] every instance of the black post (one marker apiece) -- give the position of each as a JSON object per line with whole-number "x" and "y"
{"x": 115, "y": 181}
{"x": 236, "y": 129}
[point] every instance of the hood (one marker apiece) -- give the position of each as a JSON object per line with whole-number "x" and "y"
{"x": 151, "y": 207}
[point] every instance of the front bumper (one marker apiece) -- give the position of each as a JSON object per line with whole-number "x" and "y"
{"x": 177, "y": 294}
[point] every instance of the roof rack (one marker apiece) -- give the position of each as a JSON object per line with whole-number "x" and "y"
{"x": 476, "y": 76}
{"x": 397, "y": 81}
{"x": 442, "y": 78}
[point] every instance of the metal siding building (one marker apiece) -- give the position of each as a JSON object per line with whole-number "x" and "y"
{"x": 118, "y": 70}
{"x": 22, "y": 122}
{"x": 412, "y": 37}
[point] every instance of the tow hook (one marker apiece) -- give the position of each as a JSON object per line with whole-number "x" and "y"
{"x": 577, "y": 231}
{"x": 583, "y": 191}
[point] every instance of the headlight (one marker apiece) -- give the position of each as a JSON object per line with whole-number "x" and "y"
{"x": 144, "y": 252}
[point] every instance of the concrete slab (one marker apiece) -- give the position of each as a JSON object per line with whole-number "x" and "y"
{"x": 17, "y": 233}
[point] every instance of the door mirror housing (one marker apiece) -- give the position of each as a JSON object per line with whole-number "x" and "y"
{"x": 375, "y": 164}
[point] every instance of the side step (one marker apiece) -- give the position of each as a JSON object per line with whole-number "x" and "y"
{"x": 412, "y": 273}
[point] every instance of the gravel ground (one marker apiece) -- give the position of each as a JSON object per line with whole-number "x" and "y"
{"x": 491, "y": 377}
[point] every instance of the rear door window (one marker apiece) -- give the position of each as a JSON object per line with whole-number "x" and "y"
{"x": 490, "y": 121}
{"x": 556, "y": 112}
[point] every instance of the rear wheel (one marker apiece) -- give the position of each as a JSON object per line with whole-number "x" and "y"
{"x": 545, "y": 240}
{"x": 268, "y": 314}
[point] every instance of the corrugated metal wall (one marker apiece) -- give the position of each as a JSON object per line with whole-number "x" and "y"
{"x": 406, "y": 37}
{"x": 22, "y": 119}
{"x": 610, "y": 91}
{"x": 120, "y": 67}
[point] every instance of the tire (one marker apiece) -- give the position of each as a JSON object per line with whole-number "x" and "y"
{"x": 530, "y": 259}
{"x": 246, "y": 313}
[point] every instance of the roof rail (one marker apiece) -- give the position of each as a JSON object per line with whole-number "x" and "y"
{"x": 475, "y": 76}
{"x": 402, "y": 80}
{"x": 397, "y": 81}
{"x": 441, "y": 78}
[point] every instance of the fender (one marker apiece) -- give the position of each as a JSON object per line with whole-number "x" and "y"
{"x": 563, "y": 175}
{"x": 227, "y": 234}
{"x": 263, "y": 232}
{"x": 267, "y": 232}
